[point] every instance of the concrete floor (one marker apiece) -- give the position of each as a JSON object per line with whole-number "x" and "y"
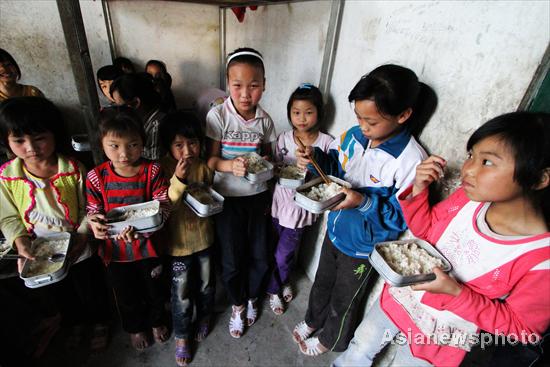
{"x": 266, "y": 343}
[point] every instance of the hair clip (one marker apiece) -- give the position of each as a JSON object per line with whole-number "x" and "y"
{"x": 306, "y": 86}
{"x": 244, "y": 53}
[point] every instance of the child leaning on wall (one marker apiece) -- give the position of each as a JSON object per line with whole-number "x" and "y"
{"x": 377, "y": 157}
{"x": 236, "y": 127}
{"x": 190, "y": 236}
{"x": 131, "y": 259}
{"x": 494, "y": 230}
{"x": 105, "y": 76}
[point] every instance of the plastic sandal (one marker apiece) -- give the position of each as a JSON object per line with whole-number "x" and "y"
{"x": 312, "y": 347}
{"x": 301, "y": 332}
{"x": 202, "y": 331}
{"x": 251, "y": 312}
{"x": 288, "y": 295}
{"x": 236, "y": 322}
{"x": 183, "y": 354}
{"x": 276, "y": 304}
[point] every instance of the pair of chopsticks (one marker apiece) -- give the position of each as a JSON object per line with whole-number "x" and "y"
{"x": 315, "y": 164}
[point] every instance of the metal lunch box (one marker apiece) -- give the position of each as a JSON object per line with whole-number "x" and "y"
{"x": 50, "y": 272}
{"x": 396, "y": 279}
{"x": 145, "y": 224}
{"x": 81, "y": 143}
{"x": 204, "y": 210}
{"x": 291, "y": 183}
{"x": 317, "y": 207}
{"x": 262, "y": 176}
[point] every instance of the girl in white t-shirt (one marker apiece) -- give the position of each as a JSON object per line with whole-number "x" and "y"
{"x": 305, "y": 113}
{"x": 234, "y": 128}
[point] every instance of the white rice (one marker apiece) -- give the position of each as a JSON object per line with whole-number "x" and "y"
{"x": 409, "y": 258}
{"x": 291, "y": 172}
{"x": 323, "y": 191}
{"x": 139, "y": 213}
{"x": 255, "y": 164}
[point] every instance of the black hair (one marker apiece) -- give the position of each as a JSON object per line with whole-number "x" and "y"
{"x": 124, "y": 65}
{"x": 6, "y": 58}
{"x": 307, "y": 92}
{"x": 132, "y": 86}
{"x": 30, "y": 116}
{"x": 164, "y": 75}
{"x": 251, "y": 60}
{"x": 527, "y": 134}
{"x": 108, "y": 72}
{"x": 183, "y": 123}
{"x": 121, "y": 121}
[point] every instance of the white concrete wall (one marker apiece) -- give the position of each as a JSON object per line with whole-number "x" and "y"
{"x": 184, "y": 36}
{"x": 291, "y": 37}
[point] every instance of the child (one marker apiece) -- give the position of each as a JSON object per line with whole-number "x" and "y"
{"x": 236, "y": 127}
{"x": 190, "y": 235}
{"x": 105, "y": 77}
{"x": 137, "y": 91}
{"x": 124, "y": 65}
{"x": 157, "y": 69}
{"x": 378, "y": 158}
{"x": 9, "y": 75}
{"x": 42, "y": 193}
{"x": 305, "y": 113}
{"x": 131, "y": 257}
{"x": 494, "y": 231}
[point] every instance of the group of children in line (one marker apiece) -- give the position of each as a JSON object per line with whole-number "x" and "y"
{"x": 501, "y": 208}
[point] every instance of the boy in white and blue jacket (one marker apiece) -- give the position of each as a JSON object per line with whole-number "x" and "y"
{"x": 378, "y": 157}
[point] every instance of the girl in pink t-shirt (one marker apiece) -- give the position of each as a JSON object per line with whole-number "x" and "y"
{"x": 305, "y": 113}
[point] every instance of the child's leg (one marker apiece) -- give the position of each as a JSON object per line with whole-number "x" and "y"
{"x": 372, "y": 335}
{"x": 182, "y": 305}
{"x": 404, "y": 357}
{"x": 321, "y": 290}
{"x": 258, "y": 257}
{"x": 349, "y": 289}
{"x": 153, "y": 293}
{"x": 289, "y": 240}
{"x": 206, "y": 292}
{"x": 231, "y": 229}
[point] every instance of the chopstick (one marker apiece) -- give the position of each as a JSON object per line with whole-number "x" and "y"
{"x": 317, "y": 167}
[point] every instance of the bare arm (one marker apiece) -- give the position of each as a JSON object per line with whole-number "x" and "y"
{"x": 215, "y": 162}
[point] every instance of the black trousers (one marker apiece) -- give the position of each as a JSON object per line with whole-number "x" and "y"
{"x": 242, "y": 245}
{"x": 139, "y": 297}
{"x": 336, "y": 296}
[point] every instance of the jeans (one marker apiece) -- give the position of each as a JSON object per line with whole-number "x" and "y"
{"x": 373, "y": 334}
{"x": 192, "y": 284}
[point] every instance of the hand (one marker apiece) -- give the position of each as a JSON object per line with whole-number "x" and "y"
{"x": 23, "y": 245}
{"x": 97, "y": 223}
{"x": 430, "y": 170}
{"x": 128, "y": 234}
{"x": 352, "y": 199}
{"x": 303, "y": 157}
{"x": 182, "y": 168}
{"x": 442, "y": 284}
{"x": 238, "y": 166}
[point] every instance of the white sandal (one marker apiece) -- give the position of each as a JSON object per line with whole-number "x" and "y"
{"x": 251, "y": 312}
{"x": 311, "y": 347}
{"x": 276, "y": 304}
{"x": 301, "y": 332}
{"x": 287, "y": 293}
{"x": 236, "y": 322}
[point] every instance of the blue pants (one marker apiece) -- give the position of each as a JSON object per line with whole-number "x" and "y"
{"x": 192, "y": 284}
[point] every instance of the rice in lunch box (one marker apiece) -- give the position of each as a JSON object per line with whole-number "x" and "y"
{"x": 409, "y": 258}
{"x": 137, "y": 213}
{"x": 44, "y": 266}
{"x": 202, "y": 195}
{"x": 291, "y": 172}
{"x": 255, "y": 164}
{"x": 323, "y": 191}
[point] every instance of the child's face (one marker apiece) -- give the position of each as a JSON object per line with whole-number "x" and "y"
{"x": 105, "y": 85}
{"x": 246, "y": 86}
{"x": 374, "y": 126}
{"x": 303, "y": 115}
{"x": 488, "y": 172}
{"x": 8, "y": 72}
{"x": 185, "y": 148}
{"x": 32, "y": 148}
{"x": 122, "y": 151}
{"x": 153, "y": 70}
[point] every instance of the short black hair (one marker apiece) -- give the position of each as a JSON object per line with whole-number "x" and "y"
{"x": 124, "y": 63}
{"x": 140, "y": 85}
{"x": 108, "y": 72}
{"x": 6, "y": 58}
{"x": 183, "y": 123}
{"x": 246, "y": 59}
{"x": 307, "y": 92}
{"x": 30, "y": 116}
{"x": 121, "y": 121}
